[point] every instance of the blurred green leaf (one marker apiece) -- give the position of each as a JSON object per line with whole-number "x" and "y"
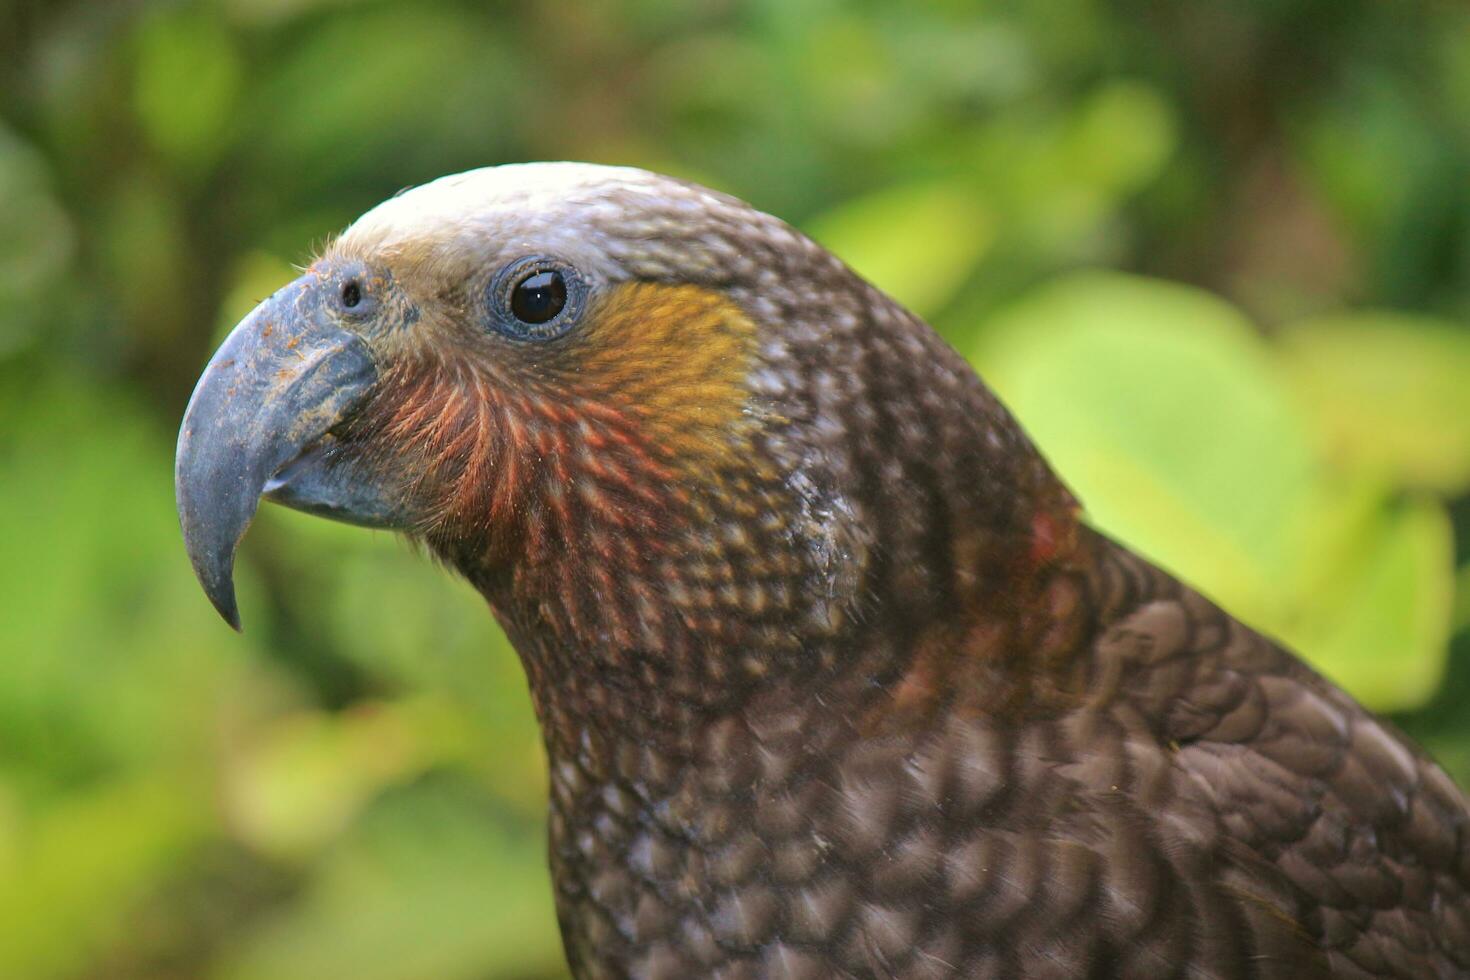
{"x": 1059, "y": 176}
{"x": 64, "y": 892}
{"x": 111, "y": 659}
{"x": 163, "y": 161}
{"x": 1116, "y": 166}
{"x": 916, "y": 242}
{"x": 36, "y": 245}
{"x": 186, "y": 82}
{"x": 1460, "y": 616}
{"x": 849, "y": 68}
{"x": 1389, "y": 391}
{"x": 115, "y": 681}
{"x": 427, "y": 886}
{"x": 1372, "y": 130}
{"x": 313, "y": 772}
{"x": 274, "y": 12}
{"x": 1176, "y": 426}
{"x": 327, "y": 111}
{"x": 1380, "y": 614}
{"x": 140, "y": 244}
{"x": 1160, "y": 408}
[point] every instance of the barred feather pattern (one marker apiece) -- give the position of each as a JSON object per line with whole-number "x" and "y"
{"x": 618, "y": 552}
{"x": 1186, "y": 800}
{"x": 833, "y": 682}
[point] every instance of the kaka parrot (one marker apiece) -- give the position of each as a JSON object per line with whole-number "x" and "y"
{"x": 833, "y": 679}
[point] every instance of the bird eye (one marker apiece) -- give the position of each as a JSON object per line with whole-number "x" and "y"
{"x": 351, "y": 294}
{"x": 539, "y": 297}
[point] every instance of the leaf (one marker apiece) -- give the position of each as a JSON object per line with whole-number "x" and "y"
{"x": 310, "y": 775}
{"x": 326, "y": 113}
{"x": 1382, "y": 620}
{"x": 103, "y": 624}
{"x": 1059, "y": 177}
{"x": 37, "y": 245}
{"x": 1388, "y": 392}
{"x": 1161, "y": 409}
{"x": 1177, "y": 427}
{"x": 916, "y": 242}
{"x": 1461, "y": 614}
{"x": 63, "y": 895}
{"x": 396, "y": 615}
{"x": 1094, "y": 155}
{"x": 186, "y": 83}
{"x": 427, "y": 885}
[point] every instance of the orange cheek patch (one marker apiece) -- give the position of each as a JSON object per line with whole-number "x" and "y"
{"x": 639, "y": 415}
{"x": 673, "y": 358}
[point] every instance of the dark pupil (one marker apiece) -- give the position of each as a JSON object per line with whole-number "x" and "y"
{"x": 351, "y": 293}
{"x": 538, "y": 298}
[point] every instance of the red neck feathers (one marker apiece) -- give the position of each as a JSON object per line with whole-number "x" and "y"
{"x": 641, "y": 521}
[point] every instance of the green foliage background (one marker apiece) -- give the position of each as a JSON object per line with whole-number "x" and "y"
{"x": 1216, "y": 256}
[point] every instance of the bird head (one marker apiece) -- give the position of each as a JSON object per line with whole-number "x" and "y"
{"x": 642, "y": 417}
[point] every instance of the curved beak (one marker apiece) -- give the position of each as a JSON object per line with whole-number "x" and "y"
{"x": 260, "y": 417}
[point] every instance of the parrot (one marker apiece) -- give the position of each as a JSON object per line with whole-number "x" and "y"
{"x": 834, "y": 677}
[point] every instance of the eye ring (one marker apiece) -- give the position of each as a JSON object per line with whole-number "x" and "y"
{"x": 538, "y": 297}
{"x": 356, "y": 293}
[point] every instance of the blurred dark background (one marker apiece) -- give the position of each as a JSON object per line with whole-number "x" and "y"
{"x": 1216, "y": 256}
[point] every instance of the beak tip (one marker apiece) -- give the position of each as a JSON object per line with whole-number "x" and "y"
{"x": 213, "y": 523}
{"x": 285, "y": 375}
{"x": 230, "y": 613}
{"x": 219, "y": 586}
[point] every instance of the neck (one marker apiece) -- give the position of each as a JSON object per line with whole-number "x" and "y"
{"x": 687, "y": 619}
{"x": 883, "y": 506}
{"x": 864, "y": 605}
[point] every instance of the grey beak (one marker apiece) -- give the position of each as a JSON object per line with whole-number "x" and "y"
{"x": 285, "y": 376}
